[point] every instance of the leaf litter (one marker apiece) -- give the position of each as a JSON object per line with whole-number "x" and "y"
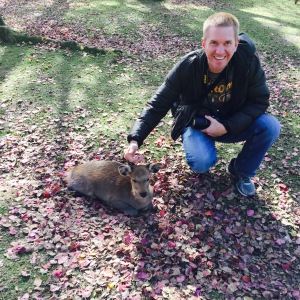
{"x": 201, "y": 236}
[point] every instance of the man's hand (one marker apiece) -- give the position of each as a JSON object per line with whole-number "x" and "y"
{"x": 215, "y": 128}
{"x": 130, "y": 153}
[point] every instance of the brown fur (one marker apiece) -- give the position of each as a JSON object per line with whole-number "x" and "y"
{"x": 123, "y": 187}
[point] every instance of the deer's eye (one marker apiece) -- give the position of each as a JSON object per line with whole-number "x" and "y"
{"x": 133, "y": 180}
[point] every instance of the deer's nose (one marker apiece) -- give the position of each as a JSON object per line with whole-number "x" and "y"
{"x": 143, "y": 195}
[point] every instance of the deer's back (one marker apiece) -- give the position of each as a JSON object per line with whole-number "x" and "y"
{"x": 100, "y": 179}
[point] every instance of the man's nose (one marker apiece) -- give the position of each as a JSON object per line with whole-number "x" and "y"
{"x": 220, "y": 49}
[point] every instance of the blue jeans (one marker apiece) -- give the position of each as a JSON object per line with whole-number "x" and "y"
{"x": 201, "y": 154}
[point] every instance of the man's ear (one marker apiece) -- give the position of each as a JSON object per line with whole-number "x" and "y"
{"x": 236, "y": 44}
{"x": 203, "y": 43}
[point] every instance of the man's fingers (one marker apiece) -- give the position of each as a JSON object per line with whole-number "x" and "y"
{"x": 134, "y": 159}
{"x": 132, "y": 149}
{"x": 130, "y": 154}
{"x": 208, "y": 117}
{"x": 139, "y": 158}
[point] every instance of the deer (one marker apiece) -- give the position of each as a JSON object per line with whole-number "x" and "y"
{"x": 124, "y": 187}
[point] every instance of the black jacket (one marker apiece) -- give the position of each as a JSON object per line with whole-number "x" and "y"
{"x": 249, "y": 98}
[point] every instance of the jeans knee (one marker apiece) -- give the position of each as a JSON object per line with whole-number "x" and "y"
{"x": 276, "y": 127}
{"x": 273, "y": 128}
{"x": 198, "y": 165}
{"x": 200, "y": 151}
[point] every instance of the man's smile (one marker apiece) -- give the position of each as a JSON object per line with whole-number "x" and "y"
{"x": 219, "y": 57}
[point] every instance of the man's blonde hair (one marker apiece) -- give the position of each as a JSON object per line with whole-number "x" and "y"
{"x": 221, "y": 19}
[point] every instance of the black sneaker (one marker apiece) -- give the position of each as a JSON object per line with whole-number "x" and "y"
{"x": 243, "y": 183}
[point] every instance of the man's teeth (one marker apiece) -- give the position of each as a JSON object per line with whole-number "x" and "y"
{"x": 219, "y": 58}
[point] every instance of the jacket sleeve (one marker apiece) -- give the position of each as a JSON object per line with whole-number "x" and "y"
{"x": 159, "y": 105}
{"x": 256, "y": 102}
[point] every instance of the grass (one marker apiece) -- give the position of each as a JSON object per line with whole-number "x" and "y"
{"x": 129, "y": 20}
{"x": 60, "y": 83}
{"x": 103, "y": 94}
{"x": 20, "y": 275}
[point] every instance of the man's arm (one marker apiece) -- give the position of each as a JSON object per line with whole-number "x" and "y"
{"x": 158, "y": 106}
{"x": 256, "y": 101}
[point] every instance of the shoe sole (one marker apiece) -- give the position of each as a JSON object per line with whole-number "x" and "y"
{"x": 243, "y": 194}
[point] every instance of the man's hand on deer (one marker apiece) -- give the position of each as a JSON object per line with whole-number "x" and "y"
{"x": 130, "y": 153}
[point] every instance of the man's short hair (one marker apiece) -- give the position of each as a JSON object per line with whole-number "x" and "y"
{"x": 221, "y": 19}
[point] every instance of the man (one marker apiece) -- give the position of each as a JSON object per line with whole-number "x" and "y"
{"x": 235, "y": 107}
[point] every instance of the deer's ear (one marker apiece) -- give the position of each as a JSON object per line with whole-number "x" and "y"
{"x": 124, "y": 170}
{"x": 154, "y": 168}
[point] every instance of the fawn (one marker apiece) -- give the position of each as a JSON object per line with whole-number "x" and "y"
{"x": 124, "y": 187}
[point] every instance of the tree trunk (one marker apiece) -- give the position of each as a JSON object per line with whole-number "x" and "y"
{"x": 1, "y": 21}
{"x": 6, "y": 35}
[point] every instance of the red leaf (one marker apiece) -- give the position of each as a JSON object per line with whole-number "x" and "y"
{"x": 96, "y": 205}
{"x": 172, "y": 244}
{"x": 209, "y": 213}
{"x": 286, "y": 267}
{"x": 47, "y": 194}
{"x": 25, "y": 217}
{"x": 283, "y": 187}
{"x": 246, "y": 279}
{"x": 160, "y": 141}
{"x": 55, "y": 189}
{"x": 217, "y": 194}
{"x": 57, "y": 273}
{"x": 19, "y": 249}
{"x": 162, "y": 213}
{"x": 74, "y": 246}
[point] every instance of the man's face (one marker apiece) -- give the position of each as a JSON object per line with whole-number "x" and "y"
{"x": 219, "y": 46}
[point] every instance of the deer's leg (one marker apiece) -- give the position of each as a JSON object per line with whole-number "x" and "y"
{"x": 148, "y": 207}
{"x": 126, "y": 208}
